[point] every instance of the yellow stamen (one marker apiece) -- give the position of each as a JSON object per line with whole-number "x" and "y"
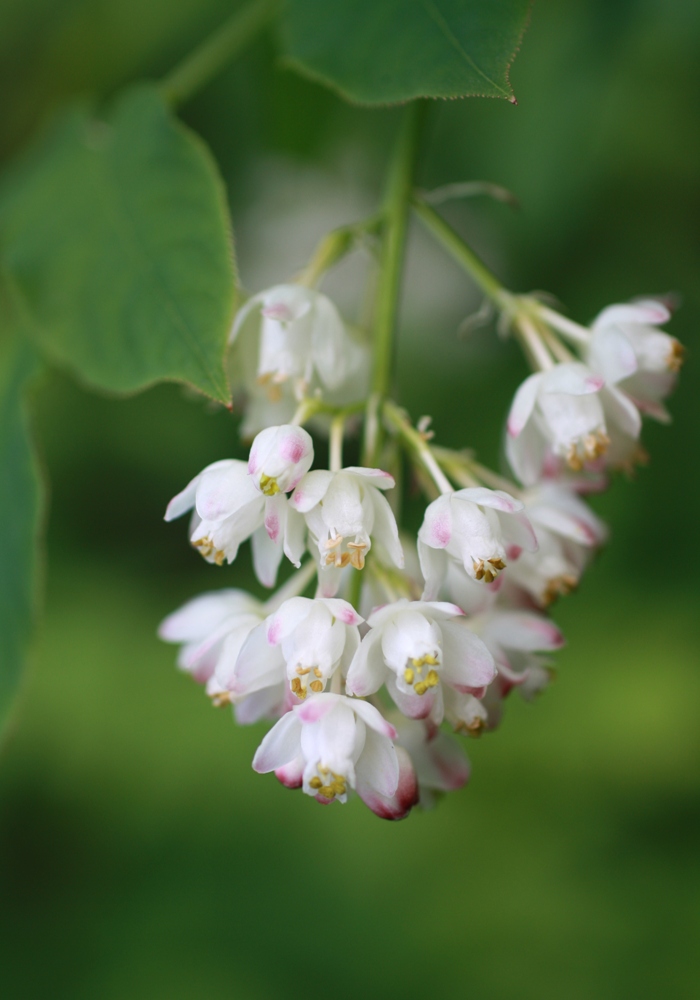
{"x": 316, "y": 686}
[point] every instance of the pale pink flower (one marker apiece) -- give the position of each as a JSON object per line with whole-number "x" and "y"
{"x": 477, "y": 528}
{"x": 330, "y": 745}
{"x": 417, "y": 648}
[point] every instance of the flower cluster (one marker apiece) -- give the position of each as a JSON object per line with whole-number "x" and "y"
{"x": 379, "y": 652}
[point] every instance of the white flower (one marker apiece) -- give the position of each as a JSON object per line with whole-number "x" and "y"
{"x": 331, "y": 744}
{"x": 213, "y": 628}
{"x": 229, "y": 508}
{"x": 416, "y": 647}
{"x": 345, "y": 512}
{"x": 204, "y": 624}
{"x": 557, "y": 412}
{"x": 515, "y": 638}
{"x": 567, "y": 533}
{"x": 303, "y": 643}
{"x": 466, "y": 713}
{"x": 638, "y": 362}
{"x": 440, "y": 763}
{"x": 475, "y": 527}
{"x": 279, "y": 457}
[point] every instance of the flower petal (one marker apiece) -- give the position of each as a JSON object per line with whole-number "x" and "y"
{"x": 281, "y": 746}
{"x": 466, "y": 661}
{"x": 225, "y": 488}
{"x": 523, "y": 404}
{"x": 267, "y": 556}
{"x": 311, "y": 489}
{"x": 399, "y": 804}
{"x": 572, "y": 379}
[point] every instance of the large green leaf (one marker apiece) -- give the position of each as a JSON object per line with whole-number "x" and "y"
{"x": 20, "y": 511}
{"x": 115, "y": 233}
{"x": 383, "y": 51}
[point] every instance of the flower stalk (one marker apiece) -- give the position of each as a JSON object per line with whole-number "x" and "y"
{"x": 215, "y": 52}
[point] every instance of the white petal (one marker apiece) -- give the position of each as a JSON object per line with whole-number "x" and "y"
{"x": 328, "y": 342}
{"x": 467, "y": 663}
{"x": 310, "y": 490}
{"x": 224, "y": 488}
{"x": 259, "y": 665}
{"x": 288, "y": 616}
{"x": 367, "y": 670}
{"x": 378, "y": 767}
{"x": 437, "y": 527}
{"x": 243, "y": 314}
{"x": 524, "y": 630}
{"x": 611, "y": 353}
{"x": 343, "y": 611}
{"x": 523, "y": 404}
{"x": 621, "y": 411}
{"x": 384, "y": 530}
{"x": 644, "y": 311}
{"x": 184, "y": 500}
{"x": 372, "y": 718}
{"x": 572, "y": 379}
{"x": 267, "y": 556}
{"x": 497, "y": 499}
{"x": 433, "y": 565}
{"x": 280, "y": 746}
{"x": 398, "y": 805}
{"x": 377, "y": 477}
{"x": 294, "y": 536}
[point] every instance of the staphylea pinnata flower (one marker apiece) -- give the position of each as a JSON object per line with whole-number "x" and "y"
{"x": 516, "y": 639}
{"x": 568, "y": 532}
{"x": 440, "y": 763}
{"x": 557, "y": 412}
{"x": 481, "y": 529}
{"x": 346, "y": 512}
{"x": 234, "y": 500}
{"x": 330, "y": 745}
{"x": 416, "y": 648}
{"x": 212, "y": 629}
{"x": 289, "y": 341}
{"x": 637, "y": 360}
{"x": 301, "y": 644}
{"x": 203, "y": 625}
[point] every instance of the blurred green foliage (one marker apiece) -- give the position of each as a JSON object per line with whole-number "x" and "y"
{"x": 139, "y": 854}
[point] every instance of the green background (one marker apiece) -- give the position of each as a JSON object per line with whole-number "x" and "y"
{"x": 140, "y": 856}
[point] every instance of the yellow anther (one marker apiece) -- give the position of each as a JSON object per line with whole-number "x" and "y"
{"x": 303, "y": 671}
{"x": 315, "y": 783}
{"x": 327, "y": 791}
{"x": 432, "y": 679}
{"x": 221, "y": 699}
{"x": 676, "y": 356}
{"x": 497, "y": 563}
{"x": 431, "y": 660}
{"x": 333, "y": 543}
{"x": 408, "y": 675}
{"x": 318, "y": 672}
{"x": 421, "y": 687}
{"x": 489, "y": 577}
{"x": 478, "y": 568}
{"x": 316, "y": 686}
{"x": 268, "y": 485}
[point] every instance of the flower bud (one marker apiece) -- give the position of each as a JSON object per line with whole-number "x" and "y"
{"x": 279, "y": 457}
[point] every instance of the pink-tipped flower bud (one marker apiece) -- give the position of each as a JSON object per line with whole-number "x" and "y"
{"x": 279, "y": 457}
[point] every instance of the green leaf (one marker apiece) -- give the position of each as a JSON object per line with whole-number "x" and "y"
{"x": 20, "y": 514}
{"x": 115, "y": 235}
{"x": 384, "y": 51}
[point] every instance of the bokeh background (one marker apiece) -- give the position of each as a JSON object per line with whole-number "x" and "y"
{"x": 140, "y": 856}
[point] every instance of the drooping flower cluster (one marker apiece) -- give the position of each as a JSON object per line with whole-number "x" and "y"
{"x": 379, "y": 653}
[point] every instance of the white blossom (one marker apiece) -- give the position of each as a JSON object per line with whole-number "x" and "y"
{"x": 557, "y": 412}
{"x": 204, "y": 624}
{"x": 438, "y": 759}
{"x": 478, "y": 528}
{"x": 331, "y": 744}
{"x": 289, "y": 342}
{"x": 416, "y": 648}
{"x": 279, "y": 457}
{"x": 639, "y": 363}
{"x": 301, "y": 644}
{"x": 345, "y": 512}
{"x": 229, "y": 508}
{"x": 567, "y": 531}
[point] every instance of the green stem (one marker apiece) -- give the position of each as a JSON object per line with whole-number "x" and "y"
{"x": 333, "y": 247}
{"x": 215, "y": 52}
{"x": 396, "y": 207}
{"x": 462, "y": 253}
{"x": 416, "y": 443}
